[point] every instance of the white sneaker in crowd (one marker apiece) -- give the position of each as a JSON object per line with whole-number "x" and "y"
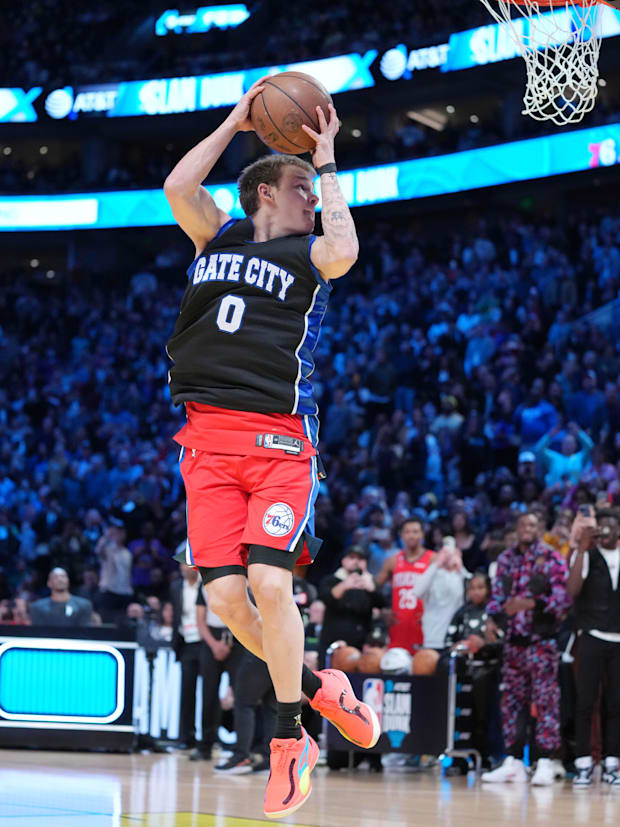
{"x": 545, "y": 773}
{"x": 584, "y": 766}
{"x": 511, "y": 771}
{"x": 558, "y": 770}
{"x": 611, "y": 772}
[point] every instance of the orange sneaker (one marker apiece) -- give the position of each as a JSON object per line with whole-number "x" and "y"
{"x": 336, "y": 701}
{"x": 289, "y": 782}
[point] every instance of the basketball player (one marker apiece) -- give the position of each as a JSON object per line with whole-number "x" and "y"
{"x": 242, "y": 352}
{"x": 402, "y": 569}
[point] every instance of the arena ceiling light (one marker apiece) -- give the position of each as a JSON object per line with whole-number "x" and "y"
{"x": 433, "y": 118}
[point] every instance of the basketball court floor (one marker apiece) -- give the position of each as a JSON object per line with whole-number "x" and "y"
{"x": 63, "y": 789}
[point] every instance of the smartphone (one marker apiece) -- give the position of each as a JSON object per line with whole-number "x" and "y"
{"x": 449, "y": 543}
{"x": 585, "y": 510}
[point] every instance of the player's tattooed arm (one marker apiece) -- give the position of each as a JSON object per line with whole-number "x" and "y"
{"x": 336, "y": 217}
{"x": 335, "y": 252}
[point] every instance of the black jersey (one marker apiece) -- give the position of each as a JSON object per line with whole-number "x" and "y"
{"x": 248, "y": 324}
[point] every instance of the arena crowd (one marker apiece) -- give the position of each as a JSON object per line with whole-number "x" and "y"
{"x": 466, "y": 377}
{"x": 57, "y": 39}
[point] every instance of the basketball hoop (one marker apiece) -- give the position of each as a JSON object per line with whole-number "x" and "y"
{"x": 560, "y": 42}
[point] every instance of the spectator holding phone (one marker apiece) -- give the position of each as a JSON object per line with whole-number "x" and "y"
{"x": 115, "y": 573}
{"x": 349, "y": 595}
{"x": 442, "y": 588}
{"x": 593, "y": 582}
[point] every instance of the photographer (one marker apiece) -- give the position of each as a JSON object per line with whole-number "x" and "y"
{"x": 593, "y": 582}
{"x": 350, "y": 596}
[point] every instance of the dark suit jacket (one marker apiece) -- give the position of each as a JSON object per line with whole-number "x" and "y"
{"x": 176, "y": 598}
{"x": 77, "y": 611}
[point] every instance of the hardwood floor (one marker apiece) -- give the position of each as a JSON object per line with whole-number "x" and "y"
{"x": 62, "y": 789}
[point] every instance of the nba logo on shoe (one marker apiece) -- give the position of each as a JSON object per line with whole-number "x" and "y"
{"x": 373, "y": 691}
{"x": 278, "y": 520}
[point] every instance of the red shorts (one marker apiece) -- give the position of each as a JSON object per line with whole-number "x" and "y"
{"x": 237, "y": 501}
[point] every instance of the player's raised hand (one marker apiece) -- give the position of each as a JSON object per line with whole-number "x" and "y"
{"x": 240, "y": 115}
{"x": 323, "y": 152}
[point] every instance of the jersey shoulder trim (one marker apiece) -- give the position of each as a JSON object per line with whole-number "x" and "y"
{"x": 230, "y": 223}
{"x": 311, "y": 239}
{"x": 224, "y": 228}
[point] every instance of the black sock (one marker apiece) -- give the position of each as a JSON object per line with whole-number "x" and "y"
{"x": 288, "y": 723}
{"x": 310, "y": 683}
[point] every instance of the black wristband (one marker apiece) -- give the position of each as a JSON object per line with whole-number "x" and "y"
{"x": 327, "y": 168}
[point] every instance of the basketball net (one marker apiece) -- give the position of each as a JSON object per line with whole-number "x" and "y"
{"x": 560, "y": 44}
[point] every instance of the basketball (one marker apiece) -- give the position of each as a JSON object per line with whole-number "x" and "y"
{"x": 288, "y": 101}
{"x": 370, "y": 661}
{"x": 396, "y": 661}
{"x": 346, "y": 658}
{"x": 425, "y": 662}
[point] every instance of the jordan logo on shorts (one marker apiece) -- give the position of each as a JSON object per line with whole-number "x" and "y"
{"x": 278, "y": 520}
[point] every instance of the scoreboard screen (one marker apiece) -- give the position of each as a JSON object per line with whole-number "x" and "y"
{"x": 65, "y": 686}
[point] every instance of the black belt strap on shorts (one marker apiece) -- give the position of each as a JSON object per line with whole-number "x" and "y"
{"x": 288, "y": 444}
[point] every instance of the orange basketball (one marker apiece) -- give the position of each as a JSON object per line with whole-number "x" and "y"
{"x": 425, "y": 662}
{"x": 346, "y": 658}
{"x": 288, "y": 101}
{"x": 370, "y": 661}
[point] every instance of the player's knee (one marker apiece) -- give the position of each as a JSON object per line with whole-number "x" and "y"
{"x": 236, "y": 614}
{"x": 226, "y": 600}
{"x": 221, "y": 608}
{"x": 272, "y": 590}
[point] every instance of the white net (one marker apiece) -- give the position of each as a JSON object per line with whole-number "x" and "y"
{"x": 560, "y": 45}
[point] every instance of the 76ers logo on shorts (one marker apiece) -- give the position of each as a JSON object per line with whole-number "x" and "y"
{"x": 278, "y": 520}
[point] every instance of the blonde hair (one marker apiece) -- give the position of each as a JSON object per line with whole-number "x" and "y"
{"x": 267, "y": 170}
